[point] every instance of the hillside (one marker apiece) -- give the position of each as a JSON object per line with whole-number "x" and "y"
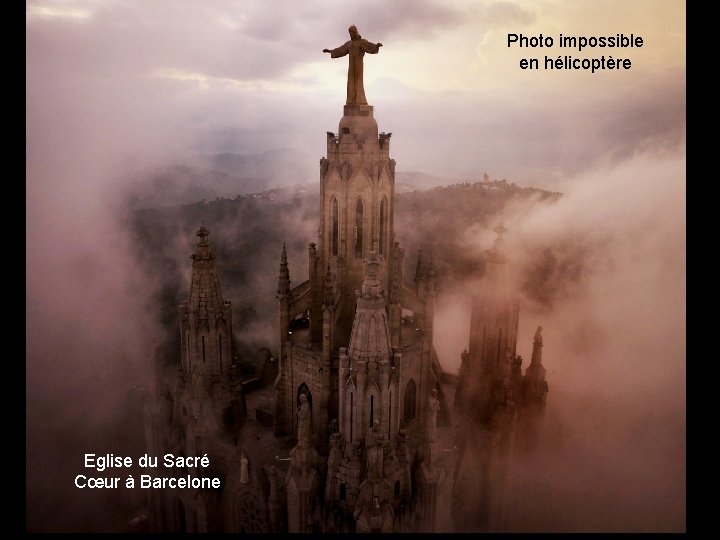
{"x": 247, "y": 233}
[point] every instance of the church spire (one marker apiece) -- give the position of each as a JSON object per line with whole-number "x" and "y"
{"x": 370, "y": 338}
{"x": 205, "y": 296}
{"x": 205, "y": 319}
{"x": 284, "y": 278}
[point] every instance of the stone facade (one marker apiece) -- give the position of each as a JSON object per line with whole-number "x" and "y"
{"x": 365, "y": 435}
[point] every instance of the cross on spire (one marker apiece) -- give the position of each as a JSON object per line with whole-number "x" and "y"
{"x": 501, "y": 229}
{"x": 203, "y": 232}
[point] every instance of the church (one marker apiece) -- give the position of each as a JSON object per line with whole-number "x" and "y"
{"x": 360, "y": 429}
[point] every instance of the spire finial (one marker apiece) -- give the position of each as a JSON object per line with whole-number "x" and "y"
{"x": 284, "y": 278}
{"x": 497, "y": 251}
{"x": 500, "y": 229}
{"x": 203, "y": 232}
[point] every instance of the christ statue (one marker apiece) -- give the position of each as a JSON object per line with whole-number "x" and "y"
{"x": 356, "y": 48}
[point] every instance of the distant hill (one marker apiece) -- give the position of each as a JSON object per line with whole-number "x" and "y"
{"x": 219, "y": 175}
{"x": 247, "y": 233}
{"x": 207, "y": 177}
{"x": 419, "y": 180}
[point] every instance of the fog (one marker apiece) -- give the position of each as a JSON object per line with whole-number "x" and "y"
{"x": 612, "y": 254}
{"x": 118, "y": 88}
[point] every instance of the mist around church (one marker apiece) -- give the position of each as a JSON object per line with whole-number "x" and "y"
{"x": 352, "y": 344}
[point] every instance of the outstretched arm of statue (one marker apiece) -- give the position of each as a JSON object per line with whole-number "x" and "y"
{"x": 369, "y": 47}
{"x": 342, "y": 50}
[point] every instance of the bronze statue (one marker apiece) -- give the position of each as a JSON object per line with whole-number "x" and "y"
{"x": 356, "y": 48}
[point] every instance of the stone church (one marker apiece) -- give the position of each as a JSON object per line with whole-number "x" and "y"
{"x": 361, "y": 430}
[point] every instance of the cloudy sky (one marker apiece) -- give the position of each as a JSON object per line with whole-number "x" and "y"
{"x": 122, "y": 78}
{"x": 114, "y": 85}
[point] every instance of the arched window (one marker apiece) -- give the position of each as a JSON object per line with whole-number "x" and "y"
{"x": 359, "y": 228}
{"x": 383, "y": 224}
{"x": 303, "y": 389}
{"x": 409, "y": 403}
{"x": 335, "y": 226}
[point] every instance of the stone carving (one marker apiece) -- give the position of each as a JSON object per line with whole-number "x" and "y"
{"x": 244, "y": 474}
{"x": 303, "y": 422}
{"x": 335, "y": 452}
{"x": 538, "y": 336}
{"x": 356, "y": 48}
{"x": 375, "y": 458}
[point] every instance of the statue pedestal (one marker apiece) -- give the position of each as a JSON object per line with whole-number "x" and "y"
{"x": 359, "y": 123}
{"x": 358, "y": 110}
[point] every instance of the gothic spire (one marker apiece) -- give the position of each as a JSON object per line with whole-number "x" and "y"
{"x": 284, "y": 278}
{"x": 370, "y": 337}
{"x": 205, "y": 295}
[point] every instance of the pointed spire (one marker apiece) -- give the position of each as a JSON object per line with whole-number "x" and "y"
{"x": 284, "y": 278}
{"x": 203, "y": 247}
{"x": 205, "y": 295}
{"x": 370, "y": 335}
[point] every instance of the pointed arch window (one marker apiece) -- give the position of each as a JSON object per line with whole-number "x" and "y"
{"x": 359, "y": 228}
{"x": 409, "y": 402}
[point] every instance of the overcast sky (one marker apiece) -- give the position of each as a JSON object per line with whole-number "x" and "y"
{"x": 131, "y": 79}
